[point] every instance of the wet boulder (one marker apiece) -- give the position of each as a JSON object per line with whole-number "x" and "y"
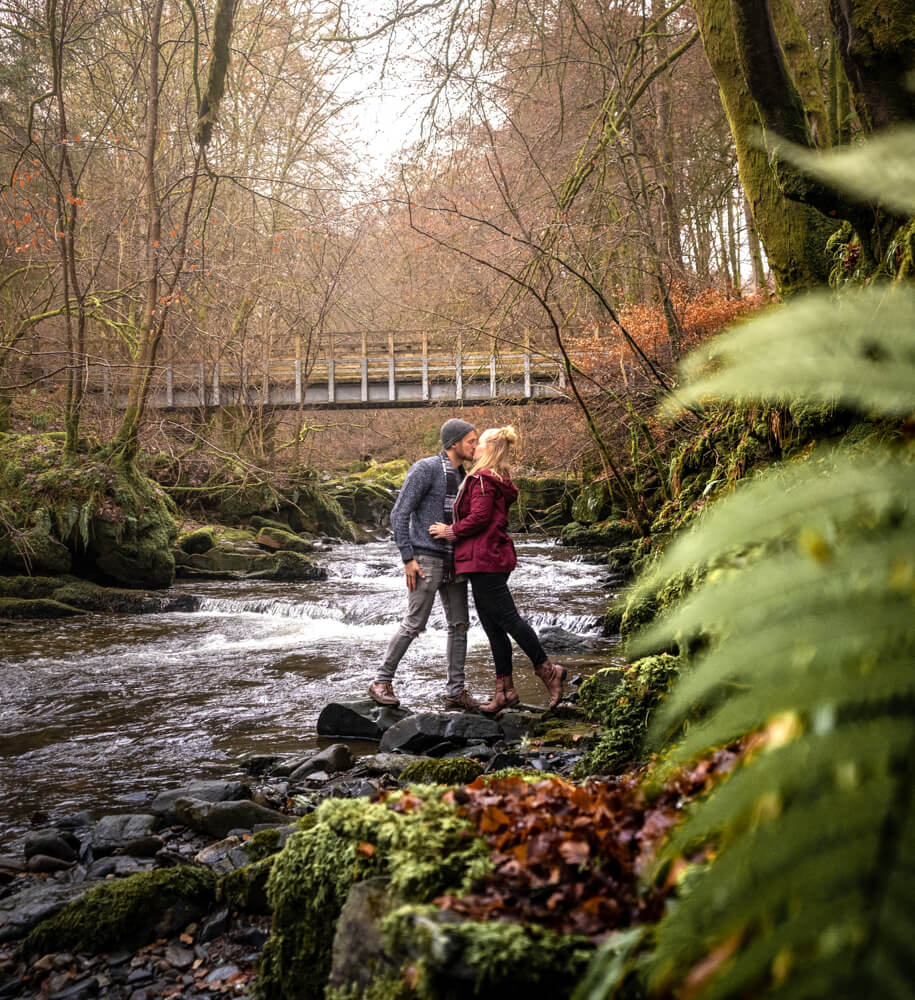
{"x": 428, "y": 730}
{"x": 208, "y": 791}
{"x": 52, "y": 843}
{"x": 277, "y": 540}
{"x": 127, "y": 913}
{"x": 36, "y": 608}
{"x": 331, "y": 760}
{"x": 364, "y": 719}
{"x": 117, "y": 833}
{"x": 20, "y": 912}
{"x": 218, "y": 819}
{"x": 602, "y": 534}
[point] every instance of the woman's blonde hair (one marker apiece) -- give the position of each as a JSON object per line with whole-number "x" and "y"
{"x": 496, "y": 443}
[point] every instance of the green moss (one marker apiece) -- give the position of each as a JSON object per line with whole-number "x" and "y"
{"x": 426, "y": 850}
{"x": 603, "y": 534}
{"x": 593, "y": 503}
{"x": 199, "y": 540}
{"x": 485, "y": 959}
{"x": 84, "y": 513}
{"x": 455, "y": 771}
{"x": 529, "y": 774}
{"x": 126, "y": 913}
{"x": 543, "y": 502}
{"x": 246, "y": 888}
{"x": 625, "y": 709}
{"x": 263, "y": 844}
{"x": 35, "y": 607}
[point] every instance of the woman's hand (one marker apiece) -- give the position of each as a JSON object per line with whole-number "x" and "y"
{"x": 438, "y": 530}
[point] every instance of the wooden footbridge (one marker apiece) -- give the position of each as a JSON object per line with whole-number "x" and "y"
{"x": 387, "y": 381}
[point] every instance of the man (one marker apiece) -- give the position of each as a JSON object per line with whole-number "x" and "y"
{"x": 427, "y": 497}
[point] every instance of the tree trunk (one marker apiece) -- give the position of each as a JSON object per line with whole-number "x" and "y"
{"x": 793, "y": 234}
{"x": 876, "y": 42}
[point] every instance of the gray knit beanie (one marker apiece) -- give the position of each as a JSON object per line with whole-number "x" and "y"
{"x": 453, "y": 430}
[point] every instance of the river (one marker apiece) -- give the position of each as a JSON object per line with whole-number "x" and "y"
{"x": 96, "y": 712}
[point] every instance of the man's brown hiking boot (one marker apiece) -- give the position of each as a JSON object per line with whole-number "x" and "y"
{"x": 463, "y": 702}
{"x": 383, "y": 693}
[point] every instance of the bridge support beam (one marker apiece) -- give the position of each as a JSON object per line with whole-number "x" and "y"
{"x": 331, "y": 385}
{"x": 298, "y": 383}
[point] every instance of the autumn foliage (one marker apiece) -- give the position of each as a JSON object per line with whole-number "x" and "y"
{"x": 569, "y": 857}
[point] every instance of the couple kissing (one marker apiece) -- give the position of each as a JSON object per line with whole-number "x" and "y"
{"x": 451, "y": 528}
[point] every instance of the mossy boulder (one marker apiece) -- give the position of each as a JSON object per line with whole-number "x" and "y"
{"x": 127, "y": 913}
{"x": 453, "y": 771}
{"x": 457, "y": 959}
{"x": 623, "y": 703}
{"x": 592, "y": 503}
{"x": 246, "y": 888}
{"x": 197, "y": 541}
{"x": 602, "y": 534}
{"x": 301, "y": 505}
{"x": 278, "y": 540}
{"x": 83, "y": 513}
{"x": 36, "y": 607}
{"x": 544, "y": 502}
{"x": 415, "y": 838}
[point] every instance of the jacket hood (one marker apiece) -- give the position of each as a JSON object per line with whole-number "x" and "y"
{"x": 505, "y": 486}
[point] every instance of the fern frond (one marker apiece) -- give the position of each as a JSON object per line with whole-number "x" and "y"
{"x": 882, "y": 170}
{"x": 820, "y": 347}
{"x": 829, "y": 487}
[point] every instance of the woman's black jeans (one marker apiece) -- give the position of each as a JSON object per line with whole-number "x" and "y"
{"x": 500, "y": 619}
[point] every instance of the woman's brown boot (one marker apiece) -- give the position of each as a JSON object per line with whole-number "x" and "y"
{"x": 552, "y": 676}
{"x": 511, "y": 695}
{"x": 499, "y": 700}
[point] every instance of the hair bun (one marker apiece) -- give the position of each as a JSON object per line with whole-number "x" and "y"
{"x": 508, "y": 434}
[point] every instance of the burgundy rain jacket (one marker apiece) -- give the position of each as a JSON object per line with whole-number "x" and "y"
{"x": 481, "y": 542}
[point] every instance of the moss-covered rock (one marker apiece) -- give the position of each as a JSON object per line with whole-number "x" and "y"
{"x": 277, "y": 540}
{"x": 197, "y": 541}
{"x": 453, "y": 771}
{"x": 426, "y": 848}
{"x": 245, "y": 888}
{"x": 485, "y": 960}
{"x": 127, "y": 913}
{"x": 544, "y": 502}
{"x": 603, "y": 534}
{"x": 82, "y": 513}
{"x": 592, "y": 504}
{"x": 35, "y": 607}
{"x": 623, "y": 705}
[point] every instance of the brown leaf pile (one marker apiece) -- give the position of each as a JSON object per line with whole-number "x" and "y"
{"x": 569, "y": 856}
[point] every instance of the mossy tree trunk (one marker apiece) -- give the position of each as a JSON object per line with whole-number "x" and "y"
{"x": 794, "y": 234}
{"x": 876, "y": 43}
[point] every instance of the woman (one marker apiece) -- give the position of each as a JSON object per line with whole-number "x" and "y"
{"x": 485, "y": 554}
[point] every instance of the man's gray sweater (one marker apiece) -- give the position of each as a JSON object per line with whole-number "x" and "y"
{"x": 421, "y": 502}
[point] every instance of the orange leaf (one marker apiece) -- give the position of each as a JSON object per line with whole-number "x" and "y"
{"x": 367, "y": 849}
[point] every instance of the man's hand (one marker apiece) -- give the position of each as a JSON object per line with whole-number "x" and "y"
{"x": 438, "y": 530}
{"x": 414, "y": 573}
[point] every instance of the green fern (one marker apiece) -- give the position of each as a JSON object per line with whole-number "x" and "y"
{"x": 806, "y": 626}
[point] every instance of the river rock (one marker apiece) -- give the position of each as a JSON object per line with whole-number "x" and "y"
{"x": 51, "y": 843}
{"x": 429, "y": 730}
{"x": 44, "y": 865}
{"x": 218, "y": 819}
{"x": 332, "y": 759}
{"x": 23, "y": 911}
{"x": 363, "y": 719}
{"x": 556, "y": 639}
{"x": 384, "y": 763}
{"x": 39, "y": 607}
{"x": 223, "y": 856}
{"x": 290, "y": 566}
{"x": 91, "y": 597}
{"x": 119, "y": 867}
{"x": 112, "y": 833}
{"x": 277, "y": 540}
{"x": 209, "y": 791}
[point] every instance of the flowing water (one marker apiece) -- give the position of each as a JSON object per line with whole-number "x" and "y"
{"x": 96, "y": 712}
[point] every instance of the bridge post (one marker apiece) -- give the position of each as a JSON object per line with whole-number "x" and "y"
{"x": 492, "y": 370}
{"x": 331, "y": 386}
{"x": 425, "y": 367}
{"x": 527, "y": 366}
{"x": 459, "y": 370}
{"x": 216, "y": 384}
{"x": 364, "y": 365}
{"x": 169, "y": 386}
{"x": 392, "y": 385}
{"x": 201, "y": 384}
{"x": 298, "y": 383}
